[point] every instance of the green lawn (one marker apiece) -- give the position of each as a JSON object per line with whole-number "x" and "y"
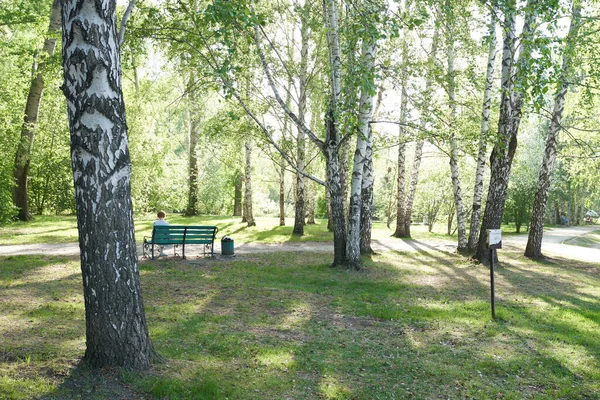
{"x": 285, "y": 326}
{"x": 591, "y": 240}
{"x": 63, "y": 229}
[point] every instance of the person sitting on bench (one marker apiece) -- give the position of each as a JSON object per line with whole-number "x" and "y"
{"x": 161, "y": 221}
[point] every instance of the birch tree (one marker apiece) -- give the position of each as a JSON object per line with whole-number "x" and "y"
{"x": 533, "y": 248}
{"x": 194, "y": 122}
{"x": 511, "y": 104}
{"x": 483, "y": 135}
{"x": 248, "y": 215}
{"x": 405, "y": 219}
{"x": 32, "y": 107}
{"x": 116, "y": 330}
{"x": 301, "y": 136}
{"x": 363, "y": 142}
{"x": 454, "y": 169}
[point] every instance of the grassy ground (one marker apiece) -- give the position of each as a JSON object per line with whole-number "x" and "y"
{"x": 63, "y": 229}
{"x": 591, "y": 239}
{"x": 285, "y": 326}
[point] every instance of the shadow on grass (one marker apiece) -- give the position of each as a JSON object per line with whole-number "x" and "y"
{"x": 280, "y": 325}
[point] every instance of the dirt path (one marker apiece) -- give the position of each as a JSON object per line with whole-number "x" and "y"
{"x": 553, "y": 245}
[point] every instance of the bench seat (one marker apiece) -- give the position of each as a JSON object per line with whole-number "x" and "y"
{"x": 180, "y": 235}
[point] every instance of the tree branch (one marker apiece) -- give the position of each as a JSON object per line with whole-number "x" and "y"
{"x": 124, "y": 21}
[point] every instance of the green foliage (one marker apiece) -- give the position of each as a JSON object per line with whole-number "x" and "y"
{"x": 524, "y": 178}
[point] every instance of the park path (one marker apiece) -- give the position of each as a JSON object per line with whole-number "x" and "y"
{"x": 553, "y": 245}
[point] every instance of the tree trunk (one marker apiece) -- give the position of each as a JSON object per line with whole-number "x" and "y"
{"x": 32, "y": 107}
{"x": 249, "y": 216}
{"x": 412, "y": 189}
{"x": 116, "y": 330}
{"x": 301, "y": 137}
{"x": 508, "y": 127}
{"x": 400, "y": 231}
{"x": 331, "y": 147}
{"x": 533, "y": 248}
{"x": 237, "y": 194}
{"x": 191, "y": 208}
{"x": 366, "y": 213}
{"x": 310, "y": 213}
{"x": 328, "y": 210}
{"x": 485, "y": 124}
{"x": 461, "y": 222}
{"x": 406, "y": 218}
{"x": 282, "y": 192}
{"x": 360, "y": 157}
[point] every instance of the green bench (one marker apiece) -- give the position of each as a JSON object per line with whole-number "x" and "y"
{"x": 180, "y": 235}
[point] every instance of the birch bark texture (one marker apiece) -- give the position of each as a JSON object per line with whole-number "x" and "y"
{"x": 301, "y": 137}
{"x": 511, "y": 104}
{"x": 483, "y": 136}
{"x": 248, "y": 214}
{"x": 360, "y": 155}
{"x": 416, "y": 165}
{"x": 454, "y": 167}
{"x": 32, "y": 108}
{"x": 116, "y": 330}
{"x": 194, "y": 125}
{"x": 533, "y": 249}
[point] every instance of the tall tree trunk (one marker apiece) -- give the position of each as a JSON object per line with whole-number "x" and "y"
{"x": 366, "y": 213}
{"x": 412, "y": 188}
{"x": 310, "y": 212}
{"x": 406, "y": 218}
{"x": 533, "y": 248}
{"x": 400, "y": 231}
{"x": 282, "y": 192}
{"x": 508, "y": 125}
{"x": 116, "y": 330}
{"x": 461, "y": 222}
{"x": 191, "y": 208}
{"x": 301, "y": 137}
{"x": 331, "y": 146}
{"x": 485, "y": 124}
{"x": 328, "y": 211}
{"x": 237, "y": 194}
{"x": 360, "y": 156}
{"x": 249, "y": 216}
{"x": 32, "y": 107}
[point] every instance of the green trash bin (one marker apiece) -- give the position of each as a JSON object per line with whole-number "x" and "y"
{"x": 227, "y": 248}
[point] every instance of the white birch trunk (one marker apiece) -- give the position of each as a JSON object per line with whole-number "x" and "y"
{"x": 301, "y": 137}
{"x": 332, "y": 142}
{"x": 116, "y": 330}
{"x": 533, "y": 248}
{"x": 249, "y": 216}
{"x": 360, "y": 158}
{"x": 414, "y": 179}
{"x": 485, "y": 125}
{"x": 508, "y": 125}
{"x": 32, "y": 108}
{"x": 454, "y": 169}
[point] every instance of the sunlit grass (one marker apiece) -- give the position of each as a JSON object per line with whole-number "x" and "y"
{"x": 411, "y": 325}
{"x": 591, "y": 239}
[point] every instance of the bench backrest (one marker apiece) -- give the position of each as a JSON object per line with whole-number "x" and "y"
{"x": 179, "y": 234}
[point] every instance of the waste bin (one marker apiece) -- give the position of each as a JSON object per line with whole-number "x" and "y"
{"x": 227, "y": 246}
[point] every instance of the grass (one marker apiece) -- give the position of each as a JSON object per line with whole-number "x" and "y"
{"x": 591, "y": 239}
{"x": 63, "y": 229}
{"x": 285, "y": 326}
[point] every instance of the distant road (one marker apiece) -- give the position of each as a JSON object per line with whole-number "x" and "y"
{"x": 552, "y": 245}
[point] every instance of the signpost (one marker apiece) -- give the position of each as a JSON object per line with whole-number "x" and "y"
{"x": 494, "y": 241}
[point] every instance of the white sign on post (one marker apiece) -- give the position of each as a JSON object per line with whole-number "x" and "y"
{"x": 494, "y": 238}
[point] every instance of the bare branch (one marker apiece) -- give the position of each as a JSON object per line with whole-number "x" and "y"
{"x": 124, "y": 21}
